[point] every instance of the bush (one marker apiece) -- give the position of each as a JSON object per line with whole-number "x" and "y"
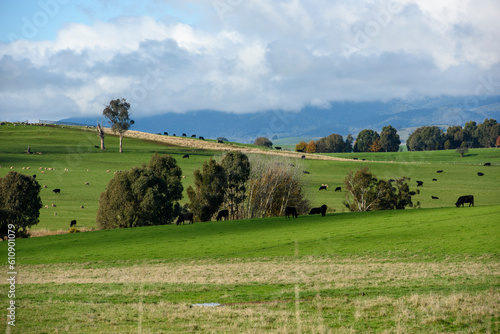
{"x": 73, "y": 230}
{"x": 263, "y": 141}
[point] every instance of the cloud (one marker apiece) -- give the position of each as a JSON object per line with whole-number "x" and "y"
{"x": 255, "y": 55}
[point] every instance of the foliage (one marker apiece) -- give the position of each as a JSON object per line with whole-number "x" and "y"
{"x": 487, "y": 133}
{"x": 331, "y": 144}
{"x": 274, "y": 185}
{"x": 20, "y": 203}
{"x": 375, "y": 146}
{"x": 237, "y": 168}
{"x": 389, "y": 139}
{"x": 73, "y": 230}
{"x": 462, "y": 151}
{"x": 301, "y": 146}
{"x": 311, "y": 147}
{"x": 366, "y": 193}
{"x": 364, "y": 140}
{"x": 209, "y": 191}
{"x": 142, "y": 196}
{"x": 117, "y": 112}
{"x": 426, "y": 138}
{"x": 263, "y": 141}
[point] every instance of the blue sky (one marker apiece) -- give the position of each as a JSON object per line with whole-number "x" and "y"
{"x": 61, "y": 58}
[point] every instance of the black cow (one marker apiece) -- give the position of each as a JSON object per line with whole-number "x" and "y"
{"x": 305, "y": 172}
{"x": 223, "y": 214}
{"x": 173, "y": 135}
{"x": 185, "y": 217}
{"x": 315, "y": 211}
{"x": 465, "y": 199}
{"x": 186, "y": 156}
{"x": 73, "y": 223}
{"x": 57, "y": 191}
{"x": 479, "y": 174}
{"x": 487, "y": 164}
{"x": 338, "y": 189}
{"x": 220, "y": 141}
{"x": 434, "y": 179}
{"x": 184, "y": 135}
{"x": 165, "y": 133}
{"x": 323, "y": 188}
{"x": 323, "y": 209}
{"x": 439, "y": 171}
{"x": 290, "y": 210}
{"x": 434, "y": 197}
{"x": 355, "y": 158}
{"x": 202, "y": 138}
{"x": 193, "y": 136}
{"x": 420, "y": 183}
{"x": 278, "y": 148}
{"x": 303, "y": 157}
{"x": 96, "y": 146}
{"x": 34, "y": 176}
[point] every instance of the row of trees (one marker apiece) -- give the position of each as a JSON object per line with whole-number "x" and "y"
{"x": 472, "y": 135}
{"x": 367, "y": 141}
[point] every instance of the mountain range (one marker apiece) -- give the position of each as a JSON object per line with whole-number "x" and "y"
{"x": 339, "y": 117}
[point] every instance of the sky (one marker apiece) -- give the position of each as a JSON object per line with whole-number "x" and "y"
{"x": 62, "y": 58}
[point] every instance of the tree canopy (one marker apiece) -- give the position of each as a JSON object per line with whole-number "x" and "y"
{"x": 364, "y": 140}
{"x": 263, "y": 141}
{"x": 117, "y": 112}
{"x": 389, "y": 139}
{"x": 20, "y": 203}
{"x": 330, "y": 144}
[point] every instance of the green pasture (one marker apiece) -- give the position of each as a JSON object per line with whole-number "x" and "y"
{"x": 73, "y": 149}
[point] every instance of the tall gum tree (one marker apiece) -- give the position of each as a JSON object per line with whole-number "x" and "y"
{"x": 117, "y": 112}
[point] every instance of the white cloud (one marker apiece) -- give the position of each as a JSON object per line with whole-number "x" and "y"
{"x": 261, "y": 55}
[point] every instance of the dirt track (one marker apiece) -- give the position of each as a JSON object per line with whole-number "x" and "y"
{"x": 210, "y": 145}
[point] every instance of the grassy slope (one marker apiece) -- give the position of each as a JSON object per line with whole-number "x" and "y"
{"x": 74, "y": 149}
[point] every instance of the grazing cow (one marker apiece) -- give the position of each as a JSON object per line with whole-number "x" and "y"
{"x": 315, "y": 211}
{"x": 174, "y": 134}
{"x": 434, "y": 197}
{"x": 73, "y": 223}
{"x": 323, "y": 187}
{"x": 303, "y": 157}
{"x": 202, "y": 138}
{"x": 338, "y": 189}
{"x": 220, "y": 141}
{"x": 193, "y": 136}
{"x": 487, "y": 164}
{"x": 277, "y": 148}
{"x": 223, "y": 214}
{"x": 479, "y": 174}
{"x": 184, "y": 135}
{"x": 185, "y": 217}
{"x": 439, "y": 171}
{"x": 290, "y": 210}
{"x": 87, "y": 184}
{"x": 434, "y": 179}
{"x": 57, "y": 191}
{"x": 96, "y": 146}
{"x": 323, "y": 209}
{"x": 305, "y": 172}
{"x": 34, "y": 176}
{"x": 81, "y": 207}
{"x": 355, "y": 158}
{"x": 465, "y": 199}
{"x": 420, "y": 183}
{"x": 165, "y": 133}
{"x": 53, "y": 205}
{"x": 186, "y": 156}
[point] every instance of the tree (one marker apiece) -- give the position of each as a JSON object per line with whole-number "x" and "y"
{"x": 311, "y": 147}
{"x": 117, "y": 112}
{"x": 364, "y": 140}
{"x": 426, "y": 138}
{"x": 487, "y": 132}
{"x": 20, "y": 203}
{"x": 348, "y": 143}
{"x": 209, "y": 191}
{"x": 375, "y": 146}
{"x": 237, "y": 168}
{"x": 263, "y": 141}
{"x": 389, "y": 139}
{"x": 366, "y": 193}
{"x": 330, "y": 144}
{"x": 462, "y": 150}
{"x": 100, "y": 131}
{"x": 273, "y": 185}
{"x": 142, "y": 196}
{"x": 301, "y": 146}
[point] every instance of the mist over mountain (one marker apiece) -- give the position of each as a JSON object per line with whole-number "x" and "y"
{"x": 340, "y": 117}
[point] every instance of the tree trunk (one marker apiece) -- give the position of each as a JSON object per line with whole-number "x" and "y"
{"x": 100, "y": 131}
{"x": 121, "y": 139}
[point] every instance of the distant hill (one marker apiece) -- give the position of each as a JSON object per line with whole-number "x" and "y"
{"x": 340, "y": 117}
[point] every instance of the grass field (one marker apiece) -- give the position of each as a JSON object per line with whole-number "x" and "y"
{"x": 429, "y": 270}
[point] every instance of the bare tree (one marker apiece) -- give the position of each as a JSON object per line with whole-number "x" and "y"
{"x": 100, "y": 131}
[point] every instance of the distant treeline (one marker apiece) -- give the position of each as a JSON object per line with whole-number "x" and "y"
{"x": 425, "y": 138}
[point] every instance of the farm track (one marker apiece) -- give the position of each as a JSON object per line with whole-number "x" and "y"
{"x": 208, "y": 145}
